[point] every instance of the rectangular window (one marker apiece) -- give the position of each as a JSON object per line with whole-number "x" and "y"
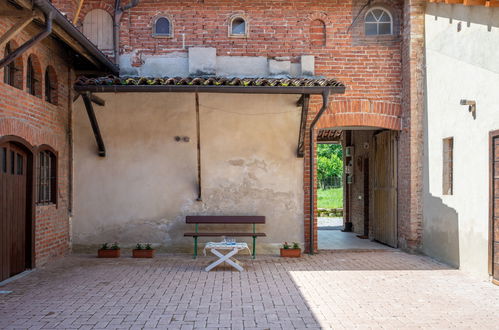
{"x": 448, "y": 155}
{"x": 47, "y": 178}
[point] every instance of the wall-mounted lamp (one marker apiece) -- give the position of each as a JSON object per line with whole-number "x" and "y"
{"x": 471, "y": 106}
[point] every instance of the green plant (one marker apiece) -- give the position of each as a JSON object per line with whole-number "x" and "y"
{"x": 285, "y": 245}
{"x": 148, "y": 246}
{"x": 296, "y": 245}
{"x": 105, "y": 246}
{"x": 115, "y": 246}
{"x": 138, "y": 246}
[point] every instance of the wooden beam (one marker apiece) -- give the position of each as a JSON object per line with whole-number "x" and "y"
{"x": 27, "y": 4}
{"x": 59, "y": 32}
{"x": 77, "y": 14}
{"x": 95, "y": 125}
{"x": 305, "y": 101}
{"x": 453, "y": 1}
{"x": 16, "y": 28}
{"x": 492, "y": 3}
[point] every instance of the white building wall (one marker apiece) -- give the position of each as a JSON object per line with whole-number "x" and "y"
{"x": 462, "y": 57}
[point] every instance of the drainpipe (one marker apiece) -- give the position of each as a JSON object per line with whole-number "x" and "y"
{"x": 118, "y": 13}
{"x": 325, "y": 105}
{"x": 30, "y": 43}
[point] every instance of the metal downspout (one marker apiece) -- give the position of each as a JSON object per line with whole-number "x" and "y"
{"x": 30, "y": 43}
{"x": 325, "y": 104}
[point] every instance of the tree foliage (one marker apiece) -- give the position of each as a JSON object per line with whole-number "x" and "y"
{"x": 329, "y": 164}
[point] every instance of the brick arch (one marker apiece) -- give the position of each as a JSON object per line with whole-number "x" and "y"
{"x": 91, "y": 5}
{"x": 322, "y": 16}
{"x": 29, "y": 133}
{"x": 16, "y": 77}
{"x": 362, "y": 113}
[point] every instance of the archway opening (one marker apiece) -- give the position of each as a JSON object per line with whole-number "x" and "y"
{"x": 357, "y": 211}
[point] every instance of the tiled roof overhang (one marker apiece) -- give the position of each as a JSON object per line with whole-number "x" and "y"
{"x": 210, "y": 85}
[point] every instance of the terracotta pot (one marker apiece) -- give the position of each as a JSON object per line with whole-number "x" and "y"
{"x": 291, "y": 253}
{"x": 108, "y": 253}
{"x": 143, "y": 253}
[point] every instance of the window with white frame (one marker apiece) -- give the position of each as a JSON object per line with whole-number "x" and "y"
{"x": 378, "y": 21}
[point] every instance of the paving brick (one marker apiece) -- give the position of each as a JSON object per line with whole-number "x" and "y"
{"x": 330, "y": 290}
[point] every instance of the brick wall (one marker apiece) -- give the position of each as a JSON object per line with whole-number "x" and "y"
{"x": 379, "y": 72}
{"x": 411, "y": 136}
{"x": 40, "y": 122}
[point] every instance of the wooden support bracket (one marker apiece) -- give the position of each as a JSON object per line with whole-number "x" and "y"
{"x": 25, "y": 18}
{"x": 93, "y": 122}
{"x": 304, "y": 101}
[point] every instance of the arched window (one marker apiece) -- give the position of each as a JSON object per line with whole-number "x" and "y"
{"x": 50, "y": 85}
{"x": 98, "y": 28}
{"x": 238, "y": 26}
{"x": 378, "y": 21}
{"x": 33, "y": 81}
{"x": 162, "y": 27}
{"x": 47, "y": 176}
{"x": 317, "y": 33}
{"x": 13, "y": 72}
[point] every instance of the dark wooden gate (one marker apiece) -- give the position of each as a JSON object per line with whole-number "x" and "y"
{"x": 385, "y": 188}
{"x": 15, "y": 201}
{"x": 494, "y": 206}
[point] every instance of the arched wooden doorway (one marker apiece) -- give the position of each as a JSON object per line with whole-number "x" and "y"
{"x": 16, "y": 206}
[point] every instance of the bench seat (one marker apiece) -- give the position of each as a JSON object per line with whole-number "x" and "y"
{"x": 225, "y": 234}
{"x": 224, "y": 220}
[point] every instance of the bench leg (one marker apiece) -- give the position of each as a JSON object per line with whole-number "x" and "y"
{"x": 254, "y": 247}
{"x": 195, "y": 247}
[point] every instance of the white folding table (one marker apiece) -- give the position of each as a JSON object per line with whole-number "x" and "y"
{"x": 233, "y": 249}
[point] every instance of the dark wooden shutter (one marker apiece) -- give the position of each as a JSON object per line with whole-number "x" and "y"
{"x": 13, "y": 210}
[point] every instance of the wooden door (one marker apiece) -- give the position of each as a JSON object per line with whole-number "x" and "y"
{"x": 13, "y": 210}
{"x": 385, "y": 188}
{"x": 494, "y": 206}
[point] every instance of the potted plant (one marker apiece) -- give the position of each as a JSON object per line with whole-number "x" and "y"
{"x": 109, "y": 251}
{"x": 143, "y": 251}
{"x": 290, "y": 251}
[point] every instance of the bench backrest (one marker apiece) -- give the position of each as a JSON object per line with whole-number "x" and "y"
{"x": 224, "y": 219}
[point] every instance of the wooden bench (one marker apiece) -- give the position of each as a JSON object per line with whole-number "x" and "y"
{"x": 224, "y": 220}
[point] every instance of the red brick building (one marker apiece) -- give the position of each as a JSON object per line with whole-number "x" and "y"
{"x": 372, "y": 47}
{"x": 35, "y": 134}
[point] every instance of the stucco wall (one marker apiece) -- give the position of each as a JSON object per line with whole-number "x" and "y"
{"x": 146, "y": 185}
{"x": 460, "y": 65}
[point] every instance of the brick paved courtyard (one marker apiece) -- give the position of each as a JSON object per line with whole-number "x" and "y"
{"x": 334, "y": 289}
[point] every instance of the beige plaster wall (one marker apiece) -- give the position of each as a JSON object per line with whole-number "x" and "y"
{"x": 462, "y": 44}
{"x": 146, "y": 185}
